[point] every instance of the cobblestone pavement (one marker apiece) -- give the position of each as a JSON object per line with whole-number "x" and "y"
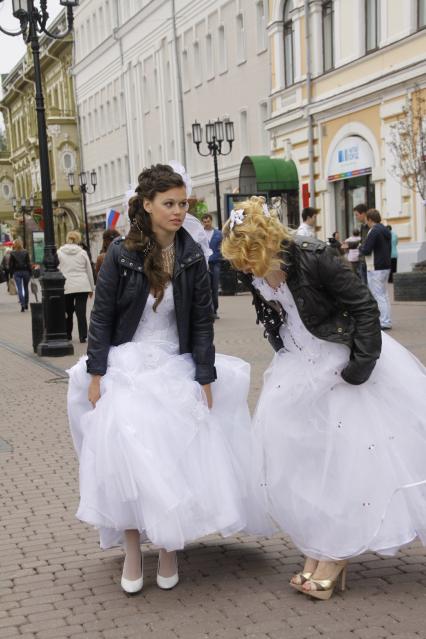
{"x": 55, "y": 582}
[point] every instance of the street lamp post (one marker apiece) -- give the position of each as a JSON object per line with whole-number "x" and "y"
{"x": 24, "y": 209}
{"x": 33, "y": 21}
{"x": 84, "y": 190}
{"x": 216, "y": 133}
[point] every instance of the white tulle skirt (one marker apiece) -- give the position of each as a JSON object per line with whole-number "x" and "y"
{"x": 342, "y": 467}
{"x": 152, "y": 456}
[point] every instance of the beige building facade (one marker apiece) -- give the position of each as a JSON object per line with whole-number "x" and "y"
{"x": 20, "y": 165}
{"x": 367, "y": 61}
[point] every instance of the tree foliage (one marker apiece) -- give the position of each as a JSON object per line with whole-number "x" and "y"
{"x": 408, "y": 145}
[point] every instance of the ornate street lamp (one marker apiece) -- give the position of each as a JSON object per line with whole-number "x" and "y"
{"x": 216, "y": 133}
{"x": 33, "y": 21}
{"x": 84, "y": 189}
{"x": 24, "y": 209}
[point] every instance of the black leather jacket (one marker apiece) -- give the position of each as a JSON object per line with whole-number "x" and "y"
{"x": 333, "y": 304}
{"x": 122, "y": 291}
{"x": 19, "y": 261}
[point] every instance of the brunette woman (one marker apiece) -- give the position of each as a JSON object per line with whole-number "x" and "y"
{"x": 153, "y": 429}
{"x": 107, "y": 237}
{"x": 340, "y": 426}
{"x": 20, "y": 269}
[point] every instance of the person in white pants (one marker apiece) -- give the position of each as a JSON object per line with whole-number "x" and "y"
{"x": 377, "y": 249}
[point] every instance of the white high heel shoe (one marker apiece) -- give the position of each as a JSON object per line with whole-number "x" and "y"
{"x": 132, "y": 586}
{"x": 167, "y": 583}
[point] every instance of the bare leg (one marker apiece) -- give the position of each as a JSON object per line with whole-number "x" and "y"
{"x": 132, "y": 568}
{"x": 167, "y": 563}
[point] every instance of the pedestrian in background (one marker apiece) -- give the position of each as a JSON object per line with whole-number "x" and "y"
{"x": 107, "y": 237}
{"x": 339, "y": 431}
{"x": 214, "y": 237}
{"x": 377, "y": 252}
{"x": 20, "y": 269}
{"x": 75, "y": 265}
{"x": 309, "y": 220}
{"x": 394, "y": 253}
{"x": 361, "y": 216}
{"x": 352, "y": 246}
{"x": 5, "y": 265}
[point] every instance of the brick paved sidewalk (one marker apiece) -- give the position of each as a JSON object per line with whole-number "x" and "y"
{"x": 55, "y": 582}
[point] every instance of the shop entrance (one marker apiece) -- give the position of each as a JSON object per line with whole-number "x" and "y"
{"x": 348, "y": 194}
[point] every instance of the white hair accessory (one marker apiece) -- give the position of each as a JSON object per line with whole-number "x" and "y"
{"x": 179, "y": 168}
{"x": 236, "y": 217}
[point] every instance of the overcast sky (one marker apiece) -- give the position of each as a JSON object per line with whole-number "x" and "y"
{"x": 12, "y": 49}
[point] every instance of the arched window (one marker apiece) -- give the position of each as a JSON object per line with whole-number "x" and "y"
{"x": 288, "y": 44}
{"x": 327, "y": 35}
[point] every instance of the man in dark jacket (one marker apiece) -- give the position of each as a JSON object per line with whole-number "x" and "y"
{"x": 377, "y": 250}
{"x": 214, "y": 237}
{"x": 361, "y": 217}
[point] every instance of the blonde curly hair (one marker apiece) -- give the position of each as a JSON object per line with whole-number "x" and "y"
{"x": 253, "y": 246}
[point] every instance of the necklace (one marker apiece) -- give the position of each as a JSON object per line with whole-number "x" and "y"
{"x": 168, "y": 255}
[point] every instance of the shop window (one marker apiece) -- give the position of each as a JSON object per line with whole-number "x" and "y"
{"x": 372, "y": 25}
{"x": 328, "y": 35}
{"x": 288, "y": 44}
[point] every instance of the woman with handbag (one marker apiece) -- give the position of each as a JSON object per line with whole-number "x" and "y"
{"x": 157, "y": 435}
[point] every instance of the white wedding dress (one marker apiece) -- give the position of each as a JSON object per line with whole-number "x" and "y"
{"x": 152, "y": 456}
{"x": 342, "y": 467}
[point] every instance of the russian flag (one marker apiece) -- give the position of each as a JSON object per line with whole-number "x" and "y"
{"x": 112, "y": 218}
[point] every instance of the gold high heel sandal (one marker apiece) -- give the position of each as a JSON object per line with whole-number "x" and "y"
{"x": 324, "y": 588}
{"x": 303, "y": 577}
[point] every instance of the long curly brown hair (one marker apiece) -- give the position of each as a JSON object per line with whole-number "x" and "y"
{"x": 159, "y": 178}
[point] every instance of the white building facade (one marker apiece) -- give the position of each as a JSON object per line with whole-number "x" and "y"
{"x": 128, "y": 91}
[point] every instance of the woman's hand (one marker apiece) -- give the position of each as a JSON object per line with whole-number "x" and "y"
{"x": 94, "y": 389}
{"x": 208, "y": 391}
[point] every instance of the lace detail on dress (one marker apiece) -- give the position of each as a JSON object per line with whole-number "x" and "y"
{"x": 293, "y": 332}
{"x": 159, "y": 327}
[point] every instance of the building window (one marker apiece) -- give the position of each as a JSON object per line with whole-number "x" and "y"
{"x": 198, "y": 71}
{"x": 185, "y": 70}
{"x": 288, "y": 44}
{"x": 372, "y": 24}
{"x": 223, "y": 63}
{"x": 327, "y": 35}
{"x": 6, "y": 190}
{"x": 156, "y": 90}
{"x": 261, "y": 25}
{"x": 68, "y": 161}
{"x": 145, "y": 94}
{"x": 421, "y": 14}
{"x": 241, "y": 39}
{"x": 209, "y": 56}
{"x": 243, "y": 133}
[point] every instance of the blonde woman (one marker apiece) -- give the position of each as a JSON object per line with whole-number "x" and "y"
{"x": 75, "y": 265}
{"x": 340, "y": 426}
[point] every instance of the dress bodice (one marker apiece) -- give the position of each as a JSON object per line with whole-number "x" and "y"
{"x": 159, "y": 325}
{"x": 294, "y": 334}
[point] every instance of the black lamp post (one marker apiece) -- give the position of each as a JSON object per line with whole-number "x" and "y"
{"x": 33, "y": 21}
{"x": 24, "y": 209}
{"x": 216, "y": 133}
{"x": 84, "y": 190}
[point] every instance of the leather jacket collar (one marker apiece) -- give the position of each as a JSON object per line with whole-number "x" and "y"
{"x": 187, "y": 252}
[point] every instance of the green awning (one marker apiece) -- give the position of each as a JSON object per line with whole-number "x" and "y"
{"x": 261, "y": 173}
